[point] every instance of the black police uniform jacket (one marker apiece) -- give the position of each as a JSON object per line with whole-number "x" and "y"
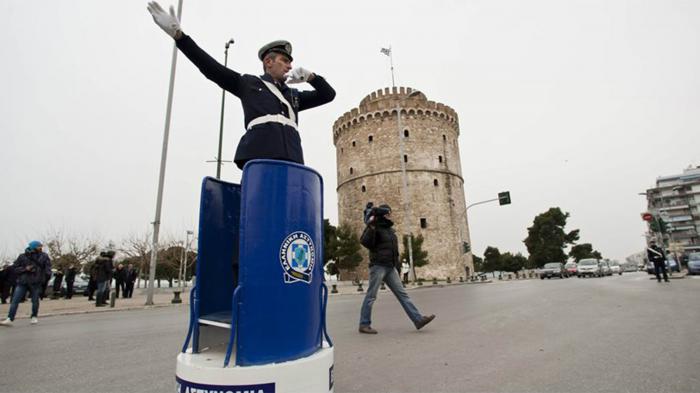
{"x": 267, "y": 140}
{"x": 381, "y": 241}
{"x": 658, "y": 257}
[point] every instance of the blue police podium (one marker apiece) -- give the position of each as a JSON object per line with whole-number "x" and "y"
{"x": 267, "y": 333}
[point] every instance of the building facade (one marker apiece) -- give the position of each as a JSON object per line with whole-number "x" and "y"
{"x": 369, "y": 158}
{"x": 676, "y": 201}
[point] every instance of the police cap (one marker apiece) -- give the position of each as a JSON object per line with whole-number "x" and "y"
{"x": 280, "y": 46}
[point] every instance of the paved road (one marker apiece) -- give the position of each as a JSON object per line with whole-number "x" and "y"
{"x": 617, "y": 334}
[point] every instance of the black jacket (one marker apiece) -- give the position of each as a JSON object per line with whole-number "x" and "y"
{"x": 382, "y": 243}
{"x": 656, "y": 257}
{"x": 120, "y": 275}
{"x": 103, "y": 269}
{"x": 70, "y": 274}
{"x": 32, "y": 268}
{"x": 267, "y": 140}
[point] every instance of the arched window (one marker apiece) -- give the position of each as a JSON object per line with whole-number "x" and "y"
{"x": 405, "y": 158}
{"x": 405, "y": 133}
{"x": 444, "y": 137}
{"x": 353, "y": 143}
{"x": 370, "y": 138}
{"x": 423, "y": 223}
{"x": 435, "y": 182}
{"x": 351, "y": 170}
{"x": 440, "y": 159}
{"x": 364, "y": 189}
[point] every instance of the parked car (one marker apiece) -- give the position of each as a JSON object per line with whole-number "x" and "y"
{"x": 694, "y": 263}
{"x": 571, "y": 268}
{"x": 80, "y": 285}
{"x": 589, "y": 267}
{"x": 615, "y": 268}
{"x": 553, "y": 269}
{"x": 605, "y": 269}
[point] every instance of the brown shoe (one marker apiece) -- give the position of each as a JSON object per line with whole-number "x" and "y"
{"x": 424, "y": 321}
{"x": 367, "y": 330}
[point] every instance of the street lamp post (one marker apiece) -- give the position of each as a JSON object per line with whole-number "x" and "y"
{"x": 406, "y": 193}
{"x": 161, "y": 177}
{"x": 221, "y": 119}
{"x": 182, "y": 272}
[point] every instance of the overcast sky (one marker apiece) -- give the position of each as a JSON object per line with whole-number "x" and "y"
{"x": 576, "y": 104}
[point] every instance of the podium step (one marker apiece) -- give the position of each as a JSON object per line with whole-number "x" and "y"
{"x": 220, "y": 319}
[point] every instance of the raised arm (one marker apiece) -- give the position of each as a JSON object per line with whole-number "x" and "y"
{"x": 227, "y": 79}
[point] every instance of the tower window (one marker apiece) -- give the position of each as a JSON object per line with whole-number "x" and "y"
{"x": 444, "y": 137}
{"x": 351, "y": 170}
{"x": 341, "y": 150}
{"x": 440, "y": 159}
{"x": 423, "y": 223}
{"x": 405, "y": 133}
{"x": 353, "y": 143}
{"x": 370, "y": 138}
{"x": 364, "y": 189}
{"x": 435, "y": 182}
{"x": 405, "y": 158}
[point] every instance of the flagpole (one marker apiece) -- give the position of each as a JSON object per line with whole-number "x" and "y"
{"x": 391, "y": 61}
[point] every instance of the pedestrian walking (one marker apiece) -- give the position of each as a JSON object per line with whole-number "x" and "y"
{"x": 131, "y": 275}
{"x": 70, "y": 280}
{"x": 31, "y": 269}
{"x": 380, "y": 239}
{"x": 656, "y": 255}
{"x": 120, "y": 280}
{"x": 103, "y": 275}
{"x": 405, "y": 267}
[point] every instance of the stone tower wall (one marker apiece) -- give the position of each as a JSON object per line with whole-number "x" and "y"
{"x": 369, "y": 169}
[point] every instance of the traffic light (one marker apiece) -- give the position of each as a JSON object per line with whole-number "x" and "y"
{"x": 504, "y": 198}
{"x": 466, "y": 247}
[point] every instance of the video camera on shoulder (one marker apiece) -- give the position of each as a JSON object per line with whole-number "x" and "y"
{"x": 378, "y": 211}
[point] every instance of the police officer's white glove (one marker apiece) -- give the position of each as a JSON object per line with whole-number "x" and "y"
{"x": 167, "y": 22}
{"x": 300, "y": 75}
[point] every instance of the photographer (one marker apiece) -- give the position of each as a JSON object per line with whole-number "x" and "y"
{"x": 31, "y": 268}
{"x": 380, "y": 239}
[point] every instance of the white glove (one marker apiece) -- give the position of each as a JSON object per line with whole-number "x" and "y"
{"x": 167, "y": 22}
{"x": 299, "y": 75}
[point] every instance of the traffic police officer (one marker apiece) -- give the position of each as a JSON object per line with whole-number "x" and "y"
{"x": 270, "y": 107}
{"x": 656, "y": 255}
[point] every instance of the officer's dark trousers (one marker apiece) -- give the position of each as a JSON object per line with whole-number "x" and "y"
{"x": 129, "y": 289}
{"x": 660, "y": 267}
{"x": 120, "y": 285}
{"x": 69, "y": 289}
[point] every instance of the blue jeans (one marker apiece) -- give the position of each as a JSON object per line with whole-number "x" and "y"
{"x": 377, "y": 274}
{"x": 20, "y": 293}
{"x": 101, "y": 294}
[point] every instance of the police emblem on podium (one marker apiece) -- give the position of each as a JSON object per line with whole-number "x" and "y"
{"x": 297, "y": 257}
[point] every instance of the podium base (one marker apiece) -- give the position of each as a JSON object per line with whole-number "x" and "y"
{"x": 204, "y": 372}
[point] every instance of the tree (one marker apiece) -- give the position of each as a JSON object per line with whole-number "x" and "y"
{"x": 582, "y": 251}
{"x": 420, "y": 257}
{"x": 137, "y": 249}
{"x": 347, "y": 251}
{"x": 492, "y": 259}
{"x": 478, "y": 263}
{"x": 330, "y": 241}
{"x": 69, "y": 250}
{"x": 512, "y": 263}
{"x": 546, "y": 238}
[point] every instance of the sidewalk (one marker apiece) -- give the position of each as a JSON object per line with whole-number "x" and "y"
{"x": 163, "y": 297}
{"x": 79, "y": 304}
